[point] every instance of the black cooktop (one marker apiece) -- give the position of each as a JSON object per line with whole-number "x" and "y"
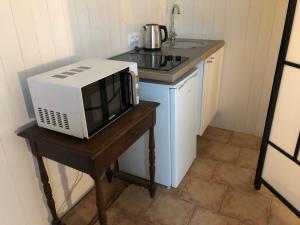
{"x": 152, "y": 61}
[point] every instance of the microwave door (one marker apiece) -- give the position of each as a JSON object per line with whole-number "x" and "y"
{"x": 95, "y": 106}
{"x": 118, "y": 89}
{"x": 106, "y": 99}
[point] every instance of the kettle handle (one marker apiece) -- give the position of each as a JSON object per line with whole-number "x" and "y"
{"x": 164, "y": 28}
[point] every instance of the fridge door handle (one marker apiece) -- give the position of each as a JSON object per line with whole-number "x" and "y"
{"x": 194, "y": 72}
{"x": 185, "y": 82}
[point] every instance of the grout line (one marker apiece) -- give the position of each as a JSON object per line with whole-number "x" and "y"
{"x": 230, "y": 137}
{"x": 236, "y": 161}
{"x": 269, "y": 211}
{"x": 224, "y": 196}
{"x": 192, "y": 215}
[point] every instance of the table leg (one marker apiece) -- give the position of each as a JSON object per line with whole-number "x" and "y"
{"x": 152, "y": 186}
{"x": 48, "y": 191}
{"x": 109, "y": 174}
{"x": 100, "y": 202}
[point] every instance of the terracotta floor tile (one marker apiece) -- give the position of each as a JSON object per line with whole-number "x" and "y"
{"x": 169, "y": 210}
{"x": 281, "y": 215}
{"x": 263, "y": 191}
{"x": 219, "y": 182}
{"x": 266, "y": 192}
{"x": 83, "y": 212}
{"x": 202, "y": 144}
{"x": 116, "y": 218}
{"x": 217, "y": 134}
{"x": 177, "y": 191}
{"x": 245, "y": 140}
{"x": 248, "y": 158}
{"x": 233, "y": 175}
{"x": 203, "y": 168}
{"x": 224, "y": 152}
{"x": 113, "y": 189}
{"x": 205, "y": 217}
{"x": 204, "y": 193}
{"x": 251, "y": 208}
{"x": 134, "y": 200}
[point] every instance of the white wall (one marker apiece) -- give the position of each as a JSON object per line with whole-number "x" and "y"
{"x": 37, "y": 35}
{"x": 252, "y": 30}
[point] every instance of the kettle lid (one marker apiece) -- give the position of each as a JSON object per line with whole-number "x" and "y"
{"x": 150, "y": 25}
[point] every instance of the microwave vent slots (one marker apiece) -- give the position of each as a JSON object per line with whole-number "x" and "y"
{"x": 53, "y": 118}
{"x": 66, "y": 121}
{"x": 71, "y": 72}
{"x": 41, "y": 115}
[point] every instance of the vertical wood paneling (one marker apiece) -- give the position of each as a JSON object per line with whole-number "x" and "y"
{"x": 278, "y": 24}
{"x": 261, "y": 58}
{"x": 252, "y": 31}
{"x": 8, "y": 195}
{"x": 60, "y": 31}
{"x": 38, "y": 35}
{"x": 219, "y": 19}
{"x": 43, "y": 30}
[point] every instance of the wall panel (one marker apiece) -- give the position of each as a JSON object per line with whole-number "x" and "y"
{"x": 38, "y": 35}
{"x": 252, "y": 31}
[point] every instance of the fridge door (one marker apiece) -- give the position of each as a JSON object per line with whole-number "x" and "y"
{"x": 183, "y": 126}
{"x": 135, "y": 160}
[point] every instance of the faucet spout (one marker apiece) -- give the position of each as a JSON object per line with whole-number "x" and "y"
{"x": 172, "y": 28}
{"x": 177, "y": 8}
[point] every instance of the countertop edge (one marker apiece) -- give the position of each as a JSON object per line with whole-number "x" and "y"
{"x": 154, "y": 77}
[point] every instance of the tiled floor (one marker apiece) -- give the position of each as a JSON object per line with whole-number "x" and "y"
{"x": 217, "y": 190}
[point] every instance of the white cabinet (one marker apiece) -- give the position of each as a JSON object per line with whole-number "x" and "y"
{"x": 211, "y": 82}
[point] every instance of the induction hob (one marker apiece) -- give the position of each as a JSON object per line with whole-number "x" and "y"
{"x": 152, "y": 61}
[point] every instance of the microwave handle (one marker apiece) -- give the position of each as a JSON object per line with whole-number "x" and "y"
{"x": 134, "y": 88}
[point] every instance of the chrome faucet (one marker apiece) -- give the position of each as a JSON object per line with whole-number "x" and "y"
{"x": 172, "y": 28}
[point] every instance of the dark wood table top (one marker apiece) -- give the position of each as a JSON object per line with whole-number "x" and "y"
{"x": 93, "y": 147}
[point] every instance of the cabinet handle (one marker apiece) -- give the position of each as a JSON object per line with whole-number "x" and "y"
{"x": 209, "y": 61}
{"x": 212, "y": 57}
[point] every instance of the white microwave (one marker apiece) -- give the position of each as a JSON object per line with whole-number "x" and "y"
{"x": 82, "y": 98}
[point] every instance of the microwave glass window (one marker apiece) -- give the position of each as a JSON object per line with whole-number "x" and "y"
{"x": 93, "y": 106}
{"x": 106, "y": 99}
{"x": 118, "y": 93}
{"x": 114, "y": 95}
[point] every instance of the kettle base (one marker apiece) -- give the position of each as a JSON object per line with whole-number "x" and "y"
{"x": 152, "y": 49}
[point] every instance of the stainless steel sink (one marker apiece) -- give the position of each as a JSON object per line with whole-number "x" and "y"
{"x": 185, "y": 44}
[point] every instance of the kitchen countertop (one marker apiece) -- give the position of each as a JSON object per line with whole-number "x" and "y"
{"x": 195, "y": 55}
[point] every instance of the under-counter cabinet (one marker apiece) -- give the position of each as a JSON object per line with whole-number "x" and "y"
{"x": 209, "y": 83}
{"x": 186, "y": 109}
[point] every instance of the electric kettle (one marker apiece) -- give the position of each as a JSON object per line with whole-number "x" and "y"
{"x": 153, "y": 36}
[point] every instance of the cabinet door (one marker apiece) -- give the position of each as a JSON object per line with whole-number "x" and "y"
{"x": 211, "y": 88}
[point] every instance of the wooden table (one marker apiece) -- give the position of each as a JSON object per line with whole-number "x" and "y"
{"x": 94, "y": 156}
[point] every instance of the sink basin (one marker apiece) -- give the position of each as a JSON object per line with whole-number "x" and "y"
{"x": 185, "y": 44}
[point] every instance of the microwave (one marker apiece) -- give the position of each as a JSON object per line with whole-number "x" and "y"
{"x": 82, "y": 98}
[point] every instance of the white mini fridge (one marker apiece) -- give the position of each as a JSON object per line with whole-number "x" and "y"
{"x": 175, "y": 132}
